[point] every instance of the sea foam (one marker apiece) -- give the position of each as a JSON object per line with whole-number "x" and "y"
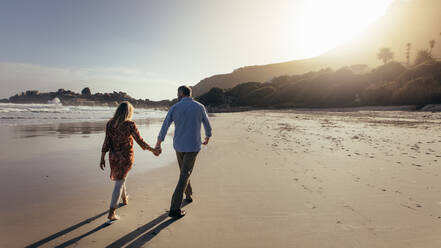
{"x": 18, "y": 114}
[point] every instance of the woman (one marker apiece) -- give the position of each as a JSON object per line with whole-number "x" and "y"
{"x": 120, "y": 131}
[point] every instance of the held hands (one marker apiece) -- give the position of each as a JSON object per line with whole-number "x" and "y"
{"x": 156, "y": 151}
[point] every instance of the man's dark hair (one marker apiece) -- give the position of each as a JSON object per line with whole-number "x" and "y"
{"x": 186, "y": 91}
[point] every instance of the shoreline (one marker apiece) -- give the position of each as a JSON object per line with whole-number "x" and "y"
{"x": 230, "y": 109}
{"x": 425, "y": 108}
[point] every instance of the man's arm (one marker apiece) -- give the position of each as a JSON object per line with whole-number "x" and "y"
{"x": 207, "y": 126}
{"x": 165, "y": 126}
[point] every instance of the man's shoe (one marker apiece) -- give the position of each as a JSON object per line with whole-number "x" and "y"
{"x": 189, "y": 199}
{"x": 177, "y": 213}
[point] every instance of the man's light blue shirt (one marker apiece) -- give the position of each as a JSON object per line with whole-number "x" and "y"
{"x": 187, "y": 115}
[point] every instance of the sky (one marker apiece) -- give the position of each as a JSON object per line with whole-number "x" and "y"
{"x": 149, "y": 48}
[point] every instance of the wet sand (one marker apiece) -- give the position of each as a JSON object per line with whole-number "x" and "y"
{"x": 45, "y": 167}
{"x": 267, "y": 179}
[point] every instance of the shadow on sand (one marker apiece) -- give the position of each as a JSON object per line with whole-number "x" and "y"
{"x": 70, "y": 229}
{"x": 76, "y": 239}
{"x": 141, "y": 235}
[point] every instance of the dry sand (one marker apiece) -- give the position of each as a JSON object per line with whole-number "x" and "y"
{"x": 269, "y": 179}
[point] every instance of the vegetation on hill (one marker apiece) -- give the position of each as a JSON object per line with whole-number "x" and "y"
{"x": 389, "y": 84}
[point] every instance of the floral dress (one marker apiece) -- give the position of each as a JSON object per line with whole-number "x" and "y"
{"x": 119, "y": 144}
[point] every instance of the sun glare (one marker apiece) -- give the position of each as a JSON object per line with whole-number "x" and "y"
{"x": 326, "y": 24}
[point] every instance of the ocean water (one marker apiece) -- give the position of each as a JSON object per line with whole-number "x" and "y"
{"x": 22, "y": 114}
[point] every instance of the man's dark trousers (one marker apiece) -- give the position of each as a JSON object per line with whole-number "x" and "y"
{"x": 186, "y": 162}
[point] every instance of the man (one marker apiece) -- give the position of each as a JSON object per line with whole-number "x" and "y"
{"x": 187, "y": 115}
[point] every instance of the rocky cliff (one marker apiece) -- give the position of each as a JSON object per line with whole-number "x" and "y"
{"x": 86, "y": 98}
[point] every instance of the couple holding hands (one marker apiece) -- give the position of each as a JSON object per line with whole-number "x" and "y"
{"x": 187, "y": 115}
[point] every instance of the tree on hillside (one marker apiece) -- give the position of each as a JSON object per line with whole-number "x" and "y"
{"x": 432, "y": 45}
{"x": 258, "y": 97}
{"x": 423, "y": 56}
{"x": 214, "y": 97}
{"x": 408, "y": 46}
{"x": 243, "y": 89}
{"x": 385, "y": 54}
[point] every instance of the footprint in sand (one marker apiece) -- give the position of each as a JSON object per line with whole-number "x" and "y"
{"x": 310, "y": 205}
{"x": 407, "y": 206}
{"x": 306, "y": 188}
{"x": 347, "y": 227}
{"x": 349, "y": 207}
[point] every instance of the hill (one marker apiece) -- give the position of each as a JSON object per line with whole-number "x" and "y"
{"x": 414, "y": 21}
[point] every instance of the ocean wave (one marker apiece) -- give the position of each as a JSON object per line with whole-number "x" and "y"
{"x": 14, "y": 114}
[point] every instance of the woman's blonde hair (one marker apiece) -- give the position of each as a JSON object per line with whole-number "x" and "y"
{"x": 123, "y": 113}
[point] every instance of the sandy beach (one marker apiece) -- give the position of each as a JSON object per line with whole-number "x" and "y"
{"x": 267, "y": 179}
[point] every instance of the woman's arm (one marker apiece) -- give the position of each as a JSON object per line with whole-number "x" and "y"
{"x": 106, "y": 144}
{"x": 105, "y": 148}
{"x": 135, "y": 134}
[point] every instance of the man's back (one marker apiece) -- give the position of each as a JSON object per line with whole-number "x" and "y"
{"x": 187, "y": 115}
